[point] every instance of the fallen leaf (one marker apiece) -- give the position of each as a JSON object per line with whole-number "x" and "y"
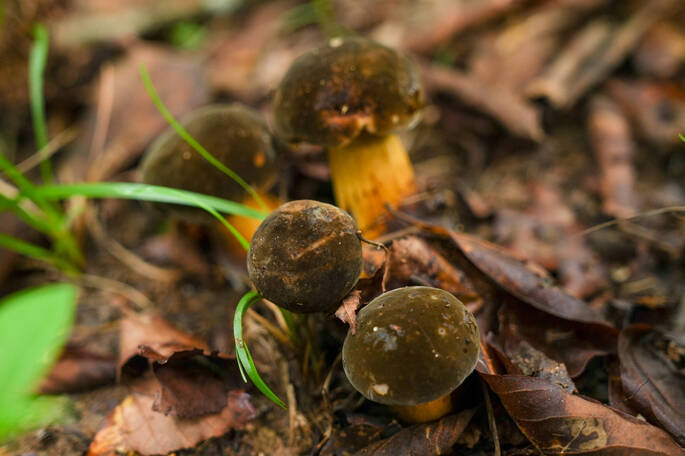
{"x": 422, "y": 439}
{"x": 347, "y": 312}
{"x": 134, "y": 427}
{"x": 557, "y": 422}
{"x": 565, "y": 341}
{"x": 652, "y": 381}
{"x": 193, "y": 381}
{"x": 79, "y": 369}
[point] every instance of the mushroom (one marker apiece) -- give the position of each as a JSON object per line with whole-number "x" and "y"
{"x": 236, "y": 136}
{"x": 305, "y": 256}
{"x": 413, "y": 346}
{"x": 351, "y": 96}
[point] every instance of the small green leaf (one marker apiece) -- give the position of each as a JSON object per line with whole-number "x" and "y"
{"x": 682, "y": 138}
{"x": 34, "y": 326}
{"x": 243, "y": 356}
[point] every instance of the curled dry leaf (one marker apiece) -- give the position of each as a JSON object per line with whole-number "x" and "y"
{"x": 557, "y": 422}
{"x": 422, "y": 439}
{"x": 193, "y": 381}
{"x": 134, "y": 426}
{"x": 347, "y": 312}
{"x": 564, "y": 341}
{"x": 79, "y": 369}
{"x": 651, "y": 380}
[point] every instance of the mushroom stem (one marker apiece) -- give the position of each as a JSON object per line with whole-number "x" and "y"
{"x": 247, "y": 226}
{"x": 423, "y": 413}
{"x": 369, "y": 173}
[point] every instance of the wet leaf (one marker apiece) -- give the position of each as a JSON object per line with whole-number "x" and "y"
{"x": 557, "y": 422}
{"x": 652, "y": 377}
{"x": 422, "y": 439}
{"x": 134, "y": 426}
{"x": 79, "y": 369}
{"x": 564, "y": 341}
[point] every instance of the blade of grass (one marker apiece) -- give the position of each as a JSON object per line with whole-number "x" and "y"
{"x": 682, "y": 138}
{"x": 28, "y": 189}
{"x": 33, "y": 251}
{"x": 30, "y": 219}
{"x": 243, "y": 356}
{"x": 154, "y": 96}
{"x": 144, "y": 192}
{"x": 37, "y": 61}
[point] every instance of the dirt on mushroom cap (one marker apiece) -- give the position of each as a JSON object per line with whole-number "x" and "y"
{"x": 305, "y": 256}
{"x": 334, "y": 93}
{"x": 412, "y": 345}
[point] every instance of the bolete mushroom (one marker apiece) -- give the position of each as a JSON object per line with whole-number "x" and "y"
{"x": 236, "y": 136}
{"x": 413, "y": 346}
{"x": 351, "y": 96}
{"x": 305, "y": 256}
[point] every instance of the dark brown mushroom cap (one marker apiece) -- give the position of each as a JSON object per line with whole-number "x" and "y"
{"x": 305, "y": 256}
{"x": 234, "y": 134}
{"x": 412, "y": 345}
{"x": 332, "y": 94}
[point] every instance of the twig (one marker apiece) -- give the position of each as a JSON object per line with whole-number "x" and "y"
{"x": 63, "y": 138}
{"x": 386, "y": 261}
{"x": 491, "y": 418}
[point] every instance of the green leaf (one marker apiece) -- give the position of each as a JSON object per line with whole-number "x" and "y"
{"x": 682, "y": 138}
{"x": 34, "y": 326}
{"x": 243, "y": 356}
{"x": 144, "y": 192}
{"x": 37, "y": 60}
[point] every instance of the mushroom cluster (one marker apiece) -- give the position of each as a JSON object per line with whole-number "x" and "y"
{"x": 305, "y": 256}
{"x": 352, "y": 96}
{"x": 413, "y": 346}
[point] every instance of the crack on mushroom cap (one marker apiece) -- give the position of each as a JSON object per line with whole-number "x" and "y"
{"x": 419, "y": 342}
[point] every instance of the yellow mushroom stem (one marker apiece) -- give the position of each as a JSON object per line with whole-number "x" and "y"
{"x": 423, "y": 413}
{"x": 369, "y": 173}
{"x": 247, "y": 226}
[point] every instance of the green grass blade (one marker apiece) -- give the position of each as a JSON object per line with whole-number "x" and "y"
{"x": 34, "y": 326}
{"x": 144, "y": 192}
{"x": 27, "y": 188}
{"x": 243, "y": 356}
{"x": 37, "y": 60}
{"x": 152, "y": 92}
{"x": 33, "y": 251}
{"x": 34, "y": 222}
{"x": 682, "y": 138}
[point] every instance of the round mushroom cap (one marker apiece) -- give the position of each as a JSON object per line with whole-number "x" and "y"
{"x": 412, "y": 345}
{"x": 234, "y": 134}
{"x": 332, "y": 94}
{"x": 305, "y": 256}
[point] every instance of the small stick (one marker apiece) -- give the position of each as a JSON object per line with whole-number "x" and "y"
{"x": 491, "y": 418}
{"x": 386, "y": 261}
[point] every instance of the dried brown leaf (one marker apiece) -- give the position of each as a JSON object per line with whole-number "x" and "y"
{"x": 651, "y": 380}
{"x": 422, "y": 439}
{"x": 134, "y": 426}
{"x": 347, "y": 312}
{"x": 79, "y": 369}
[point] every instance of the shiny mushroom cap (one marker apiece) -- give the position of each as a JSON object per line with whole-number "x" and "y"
{"x": 333, "y": 94}
{"x": 412, "y": 345}
{"x": 305, "y": 256}
{"x": 234, "y": 134}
